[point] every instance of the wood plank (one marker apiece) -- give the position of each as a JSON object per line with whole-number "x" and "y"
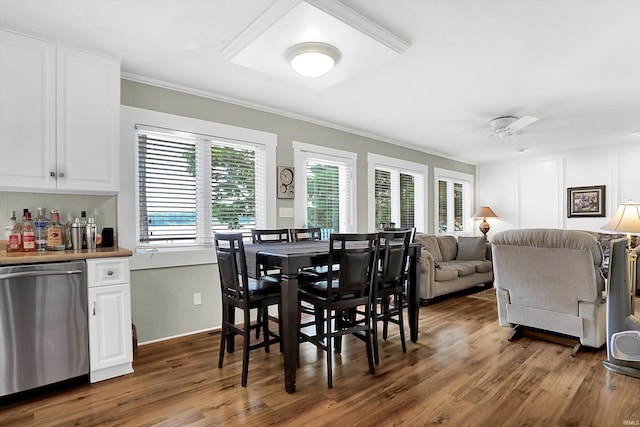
{"x": 462, "y": 371}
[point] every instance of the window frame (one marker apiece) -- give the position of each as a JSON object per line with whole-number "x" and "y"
{"x": 467, "y": 180}
{"x": 399, "y": 166}
{"x": 301, "y": 153}
{"x": 127, "y": 198}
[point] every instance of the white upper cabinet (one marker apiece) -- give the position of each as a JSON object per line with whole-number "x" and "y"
{"x": 27, "y": 112}
{"x": 59, "y": 118}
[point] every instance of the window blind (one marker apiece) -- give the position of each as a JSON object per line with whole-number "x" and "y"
{"x": 190, "y": 186}
{"x": 399, "y": 197}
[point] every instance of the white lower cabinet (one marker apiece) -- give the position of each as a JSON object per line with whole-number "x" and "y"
{"x": 110, "y": 342}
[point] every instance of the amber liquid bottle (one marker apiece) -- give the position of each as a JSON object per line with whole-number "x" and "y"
{"x": 28, "y": 235}
{"x": 14, "y": 239}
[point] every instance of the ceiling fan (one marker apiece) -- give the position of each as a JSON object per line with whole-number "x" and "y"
{"x": 505, "y": 126}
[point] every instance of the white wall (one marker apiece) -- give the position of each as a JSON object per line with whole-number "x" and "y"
{"x": 532, "y": 192}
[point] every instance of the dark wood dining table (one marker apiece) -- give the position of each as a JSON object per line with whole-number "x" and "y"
{"x": 293, "y": 256}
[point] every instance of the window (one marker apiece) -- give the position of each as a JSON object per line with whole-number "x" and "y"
{"x": 325, "y": 188}
{"x": 454, "y": 195}
{"x": 398, "y": 192}
{"x": 192, "y": 185}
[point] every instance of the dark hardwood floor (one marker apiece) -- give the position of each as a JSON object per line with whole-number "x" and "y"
{"x": 462, "y": 372}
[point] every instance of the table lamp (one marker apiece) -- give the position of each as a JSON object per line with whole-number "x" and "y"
{"x": 484, "y": 212}
{"x": 627, "y": 220}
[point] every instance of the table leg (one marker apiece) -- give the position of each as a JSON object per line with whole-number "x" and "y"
{"x": 289, "y": 286}
{"x": 414, "y": 294}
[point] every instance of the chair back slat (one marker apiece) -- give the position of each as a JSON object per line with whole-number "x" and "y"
{"x": 270, "y": 235}
{"x": 302, "y": 234}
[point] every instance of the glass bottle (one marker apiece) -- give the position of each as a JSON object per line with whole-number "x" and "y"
{"x": 14, "y": 239}
{"x": 40, "y": 225}
{"x": 67, "y": 232}
{"x": 28, "y": 235}
{"x": 55, "y": 235}
{"x": 8, "y": 227}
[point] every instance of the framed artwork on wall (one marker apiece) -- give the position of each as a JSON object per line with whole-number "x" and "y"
{"x": 286, "y": 184}
{"x": 586, "y": 201}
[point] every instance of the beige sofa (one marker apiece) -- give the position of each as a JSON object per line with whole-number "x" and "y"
{"x": 448, "y": 264}
{"x": 550, "y": 280}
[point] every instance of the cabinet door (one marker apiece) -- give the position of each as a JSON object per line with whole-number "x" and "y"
{"x": 110, "y": 326}
{"x": 88, "y": 122}
{"x": 27, "y": 112}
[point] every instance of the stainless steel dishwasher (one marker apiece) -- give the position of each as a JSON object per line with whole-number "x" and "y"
{"x": 43, "y": 325}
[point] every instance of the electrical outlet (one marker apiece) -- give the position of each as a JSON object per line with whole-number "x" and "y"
{"x": 197, "y": 298}
{"x": 286, "y": 212}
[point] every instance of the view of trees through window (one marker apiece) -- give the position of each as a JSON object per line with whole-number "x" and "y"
{"x": 384, "y": 198}
{"x": 450, "y": 193}
{"x": 323, "y": 187}
{"x": 188, "y": 189}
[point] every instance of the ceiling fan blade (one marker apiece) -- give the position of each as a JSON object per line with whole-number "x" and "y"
{"x": 522, "y": 123}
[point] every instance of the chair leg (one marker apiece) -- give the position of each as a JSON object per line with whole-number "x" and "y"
{"x": 265, "y": 327}
{"x": 401, "y": 322}
{"x": 246, "y": 335}
{"x": 223, "y": 344}
{"x": 259, "y": 322}
{"x": 369, "y": 345}
{"x": 384, "y": 303}
{"x": 329, "y": 355}
{"x": 374, "y": 332}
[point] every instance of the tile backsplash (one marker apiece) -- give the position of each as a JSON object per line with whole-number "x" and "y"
{"x": 102, "y": 208}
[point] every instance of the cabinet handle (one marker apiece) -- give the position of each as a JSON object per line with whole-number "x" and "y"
{"x": 94, "y": 308}
{"x": 52, "y": 174}
{"x": 61, "y": 174}
{"x": 109, "y": 273}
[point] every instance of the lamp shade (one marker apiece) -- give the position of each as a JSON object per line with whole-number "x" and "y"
{"x": 484, "y": 212}
{"x": 626, "y": 219}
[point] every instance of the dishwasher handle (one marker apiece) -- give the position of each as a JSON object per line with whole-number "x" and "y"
{"x": 39, "y": 273}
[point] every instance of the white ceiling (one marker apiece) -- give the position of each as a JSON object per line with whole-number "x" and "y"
{"x": 575, "y": 64}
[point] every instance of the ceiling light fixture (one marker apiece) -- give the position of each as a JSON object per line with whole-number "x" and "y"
{"x": 312, "y": 59}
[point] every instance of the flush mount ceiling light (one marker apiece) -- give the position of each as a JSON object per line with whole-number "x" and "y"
{"x": 312, "y": 59}
{"x": 361, "y": 44}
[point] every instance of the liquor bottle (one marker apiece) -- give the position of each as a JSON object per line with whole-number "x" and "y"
{"x": 40, "y": 227}
{"x": 55, "y": 235}
{"x": 67, "y": 232}
{"x": 9, "y": 225}
{"x": 28, "y": 235}
{"x": 14, "y": 239}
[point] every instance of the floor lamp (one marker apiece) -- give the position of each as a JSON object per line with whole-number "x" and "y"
{"x": 484, "y": 212}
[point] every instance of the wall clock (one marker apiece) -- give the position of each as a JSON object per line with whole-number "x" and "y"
{"x": 286, "y": 187}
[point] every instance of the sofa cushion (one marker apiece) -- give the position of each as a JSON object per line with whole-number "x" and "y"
{"x": 430, "y": 244}
{"x": 471, "y": 248}
{"x": 448, "y": 247}
{"x": 444, "y": 273}
{"x": 462, "y": 268}
{"x": 483, "y": 266}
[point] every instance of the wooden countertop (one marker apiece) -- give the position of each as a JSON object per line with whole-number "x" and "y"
{"x": 12, "y": 258}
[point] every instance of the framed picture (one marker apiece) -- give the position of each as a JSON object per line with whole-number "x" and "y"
{"x": 286, "y": 184}
{"x": 586, "y": 201}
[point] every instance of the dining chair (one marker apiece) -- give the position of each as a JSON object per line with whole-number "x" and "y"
{"x": 388, "y": 299}
{"x": 244, "y": 294}
{"x": 304, "y": 234}
{"x": 341, "y": 293}
{"x": 268, "y": 235}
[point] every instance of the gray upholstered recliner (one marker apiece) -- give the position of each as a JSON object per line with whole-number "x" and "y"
{"x": 550, "y": 280}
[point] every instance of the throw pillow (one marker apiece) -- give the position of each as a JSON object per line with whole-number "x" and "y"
{"x": 471, "y": 248}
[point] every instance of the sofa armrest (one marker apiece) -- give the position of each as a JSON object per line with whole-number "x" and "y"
{"x": 427, "y": 274}
{"x": 488, "y": 255}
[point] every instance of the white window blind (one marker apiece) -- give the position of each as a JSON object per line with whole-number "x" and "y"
{"x": 191, "y": 185}
{"x": 398, "y": 193}
{"x": 454, "y": 195}
{"x": 325, "y": 192}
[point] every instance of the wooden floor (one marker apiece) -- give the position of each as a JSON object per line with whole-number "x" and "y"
{"x": 462, "y": 372}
